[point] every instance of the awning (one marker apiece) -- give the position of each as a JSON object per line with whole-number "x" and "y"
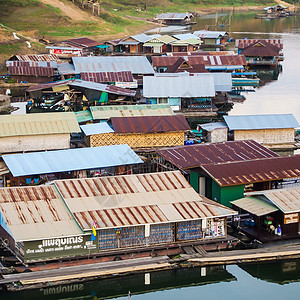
{"x": 255, "y": 206}
{"x": 153, "y": 44}
{"x": 102, "y": 46}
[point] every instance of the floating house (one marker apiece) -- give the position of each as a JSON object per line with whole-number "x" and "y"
{"x": 138, "y": 132}
{"x": 241, "y": 44}
{"x": 161, "y": 44}
{"x": 212, "y": 40}
{"x": 274, "y": 131}
{"x": 269, "y": 210}
{"x": 186, "y": 42}
{"x": 75, "y": 47}
{"x": 132, "y": 213}
{"x": 187, "y": 158}
{"x": 106, "y": 112}
{"x": 225, "y": 182}
{"x": 137, "y": 65}
{"x": 213, "y": 132}
{"x": 39, "y": 167}
{"x": 212, "y": 62}
{"x": 135, "y": 43}
{"x": 174, "y": 18}
{"x": 33, "y": 71}
{"x": 36, "y": 132}
{"x": 180, "y": 92}
{"x": 261, "y": 53}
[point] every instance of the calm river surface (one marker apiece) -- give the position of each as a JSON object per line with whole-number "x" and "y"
{"x": 260, "y": 281}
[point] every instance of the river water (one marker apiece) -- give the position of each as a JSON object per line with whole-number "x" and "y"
{"x": 254, "y": 281}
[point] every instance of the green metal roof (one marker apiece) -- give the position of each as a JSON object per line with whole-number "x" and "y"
{"x": 255, "y": 206}
{"x": 83, "y": 116}
{"x": 152, "y": 44}
{"x": 38, "y": 123}
{"x": 107, "y": 111}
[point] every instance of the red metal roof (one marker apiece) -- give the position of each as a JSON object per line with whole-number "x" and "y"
{"x": 49, "y": 85}
{"x": 86, "y": 42}
{"x": 199, "y": 53}
{"x": 149, "y": 124}
{"x": 31, "y": 71}
{"x": 37, "y": 57}
{"x": 207, "y": 60}
{"x": 125, "y": 76}
{"x": 119, "y": 91}
{"x": 191, "y": 156}
{"x": 241, "y": 44}
{"x": 259, "y": 170}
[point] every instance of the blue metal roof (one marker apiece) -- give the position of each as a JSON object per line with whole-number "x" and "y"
{"x": 251, "y": 122}
{"x": 69, "y": 160}
{"x": 98, "y": 128}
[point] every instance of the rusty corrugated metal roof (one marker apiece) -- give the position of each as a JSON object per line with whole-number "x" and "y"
{"x": 39, "y": 123}
{"x": 200, "y": 53}
{"x": 33, "y": 213}
{"x": 191, "y": 156}
{"x": 287, "y": 200}
{"x": 241, "y": 44}
{"x": 31, "y": 71}
{"x": 37, "y": 57}
{"x": 255, "y": 206}
{"x": 251, "y": 171}
{"x": 125, "y": 76}
{"x": 85, "y": 42}
{"x": 45, "y": 86}
{"x": 130, "y": 200}
{"x": 105, "y": 112}
{"x": 207, "y": 60}
{"x": 149, "y": 124}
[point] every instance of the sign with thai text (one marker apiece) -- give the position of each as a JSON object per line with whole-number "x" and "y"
{"x": 291, "y": 218}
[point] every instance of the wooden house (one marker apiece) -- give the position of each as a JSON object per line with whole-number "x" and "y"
{"x": 113, "y": 45}
{"x": 34, "y": 168}
{"x": 161, "y": 44}
{"x": 270, "y": 209}
{"x": 225, "y": 182}
{"x": 138, "y": 132}
{"x": 274, "y": 131}
{"x": 174, "y": 18}
{"x": 133, "y": 213}
{"x": 135, "y": 43}
{"x": 36, "y": 132}
{"x": 262, "y": 53}
{"x": 212, "y": 40}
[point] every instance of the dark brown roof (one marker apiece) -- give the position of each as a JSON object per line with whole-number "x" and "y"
{"x": 181, "y": 65}
{"x": 191, "y": 156}
{"x": 261, "y": 48}
{"x": 207, "y": 60}
{"x": 199, "y": 53}
{"x": 241, "y": 44}
{"x": 84, "y": 42}
{"x": 149, "y": 124}
{"x": 125, "y": 76}
{"x": 45, "y": 86}
{"x": 258, "y": 170}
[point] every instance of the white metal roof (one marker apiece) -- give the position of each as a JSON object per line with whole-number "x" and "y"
{"x": 48, "y": 162}
{"x": 135, "y": 64}
{"x": 130, "y": 200}
{"x": 97, "y": 128}
{"x": 181, "y": 86}
{"x": 252, "y": 122}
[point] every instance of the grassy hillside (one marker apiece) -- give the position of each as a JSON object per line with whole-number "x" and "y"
{"x": 34, "y": 19}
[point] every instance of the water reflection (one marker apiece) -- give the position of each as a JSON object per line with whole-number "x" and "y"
{"x": 137, "y": 284}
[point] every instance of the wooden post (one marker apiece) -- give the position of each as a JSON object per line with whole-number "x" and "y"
{"x": 98, "y": 7}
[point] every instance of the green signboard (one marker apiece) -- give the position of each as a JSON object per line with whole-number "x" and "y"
{"x": 59, "y": 247}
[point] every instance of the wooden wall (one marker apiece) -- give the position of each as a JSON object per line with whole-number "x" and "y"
{"x": 148, "y": 140}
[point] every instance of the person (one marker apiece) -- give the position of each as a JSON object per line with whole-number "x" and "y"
{"x": 279, "y": 231}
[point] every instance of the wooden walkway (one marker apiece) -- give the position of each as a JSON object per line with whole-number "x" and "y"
{"x": 65, "y": 275}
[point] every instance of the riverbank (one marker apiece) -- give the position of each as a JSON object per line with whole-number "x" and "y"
{"x": 81, "y": 273}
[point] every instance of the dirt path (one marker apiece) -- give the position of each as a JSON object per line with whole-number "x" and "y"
{"x": 71, "y": 10}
